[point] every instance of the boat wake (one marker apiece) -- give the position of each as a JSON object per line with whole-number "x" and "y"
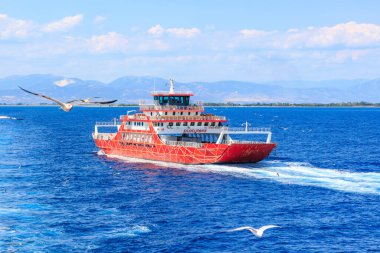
{"x": 7, "y": 117}
{"x": 304, "y": 174}
{"x": 287, "y": 173}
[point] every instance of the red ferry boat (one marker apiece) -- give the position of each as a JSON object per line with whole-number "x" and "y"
{"x": 174, "y": 130}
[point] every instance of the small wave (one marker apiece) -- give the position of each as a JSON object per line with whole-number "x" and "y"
{"x": 287, "y": 173}
{"x": 5, "y": 117}
{"x": 100, "y": 153}
{"x": 8, "y": 117}
{"x": 129, "y": 231}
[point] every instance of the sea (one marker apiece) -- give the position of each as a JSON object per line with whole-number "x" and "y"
{"x": 321, "y": 186}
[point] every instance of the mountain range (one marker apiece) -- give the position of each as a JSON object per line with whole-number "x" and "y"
{"x": 132, "y": 89}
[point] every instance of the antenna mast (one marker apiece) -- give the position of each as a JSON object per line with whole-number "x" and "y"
{"x": 171, "y": 83}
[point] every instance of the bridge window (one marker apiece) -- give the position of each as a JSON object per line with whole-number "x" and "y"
{"x": 192, "y": 123}
{"x": 212, "y": 124}
{"x": 199, "y": 124}
{"x": 206, "y": 123}
{"x": 184, "y": 123}
{"x": 178, "y": 123}
{"x": 172, "y": 100}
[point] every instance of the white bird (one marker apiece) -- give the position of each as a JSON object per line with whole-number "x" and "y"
{"x": 64, "y": 106}
{"x": 67, "y": 106}
{"x": 88, "y": 101}
{"x": 256, "y": 231}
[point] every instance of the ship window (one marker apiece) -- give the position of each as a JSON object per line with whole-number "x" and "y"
{"x": 184, "y": 123}
{"x": 178, "y": 123}
{"x": 212, "y": 124}
{"x": 155, "y": 124}
{"x": 170, "y": 124}
{"x": 196, "y": 113}
{"x": 189, "y": 113}
{"x": 151, "y": 113}
{"x": 163, "y": 100}
{"x": 173, "y": 113}
{"x": 199, "y": 124}
{"x": 181, "y": 113}
{"x": 220, "y": 124}
{"x": 166, "y": 113}
{"x": 206, "y": 123}
{"x": 192, "y": 123}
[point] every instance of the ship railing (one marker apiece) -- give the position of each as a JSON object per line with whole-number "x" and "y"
{"x": 138, "y": 117}
{"x": 104, "y": 136}
{"x": 242, "y": 142}
{"x": 243, "y": 130}
{"x": 109, "y": 123}
{"x": 176, "y": 92}
{"x": 171, "y": 107}
{"x": 183, "y": 143}
{"x": 249, "y": 129}
{"x": 188, "y": 118}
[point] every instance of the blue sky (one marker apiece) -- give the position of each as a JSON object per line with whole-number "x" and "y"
{"x": 191, "y": 40}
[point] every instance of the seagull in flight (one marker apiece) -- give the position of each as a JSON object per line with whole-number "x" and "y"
{"x": 89, "y": 101}
{"x": 256, "y": 231}
{"x": 67, "y": 106}
{"x": 64, "y": 106}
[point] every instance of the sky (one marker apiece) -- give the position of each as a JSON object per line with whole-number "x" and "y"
{"x": 208, "y": 40}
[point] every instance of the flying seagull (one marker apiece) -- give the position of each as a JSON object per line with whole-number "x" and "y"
{"x": 67, "y": 106}
{"x": 64, "y": 106}
{"x": 89, "y": 101}
{"x": 257, "y": 232}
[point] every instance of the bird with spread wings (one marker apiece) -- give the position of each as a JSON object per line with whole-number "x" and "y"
{"x": 67, "y": 106}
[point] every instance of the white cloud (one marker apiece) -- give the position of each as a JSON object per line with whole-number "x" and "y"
{"x": 349, "y": 34}
{"x": 18, "y": 28}
{"x": 14, "y": 28}
{"x": 109, "y": 42}
{"x": 64, "y": 82}
{"x": 183, "y": 32}
{"x": 249, "y": 33}
{"x": 63, "y": 25}
{"x": 158, "y": 30}
{"x": 99, "y": 20}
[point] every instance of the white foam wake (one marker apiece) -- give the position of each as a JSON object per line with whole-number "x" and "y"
{"x": 288, "y": 173}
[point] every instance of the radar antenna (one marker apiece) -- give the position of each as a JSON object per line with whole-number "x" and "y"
{"x": 171, "y": 84}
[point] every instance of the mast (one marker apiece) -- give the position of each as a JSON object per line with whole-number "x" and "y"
{"x": 171, "y": 83}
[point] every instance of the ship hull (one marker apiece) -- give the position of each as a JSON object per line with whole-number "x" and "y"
{"x": 207, "y": 154}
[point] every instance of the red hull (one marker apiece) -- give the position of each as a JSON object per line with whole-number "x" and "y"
{"x": 208, "y": 153}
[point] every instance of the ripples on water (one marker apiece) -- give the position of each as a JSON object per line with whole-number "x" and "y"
{"x": 59, "y": 195}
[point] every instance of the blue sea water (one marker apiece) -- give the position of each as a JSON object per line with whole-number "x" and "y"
{"x": 58, "y": 195}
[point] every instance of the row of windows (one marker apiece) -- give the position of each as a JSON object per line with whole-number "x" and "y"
{"x": 174, "y": 113}
{"x": 129, "y": 123}
{"x": 187, "y": 124}
{"x": 137, "y": 137}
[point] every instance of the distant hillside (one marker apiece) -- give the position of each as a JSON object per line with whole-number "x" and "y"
{"x": 131, "y": 89}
